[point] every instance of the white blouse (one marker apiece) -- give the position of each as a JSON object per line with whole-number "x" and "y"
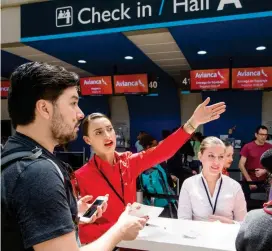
{"x": 194, "y": 203}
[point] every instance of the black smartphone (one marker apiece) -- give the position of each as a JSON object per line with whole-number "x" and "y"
{"x": 93, "y": 208}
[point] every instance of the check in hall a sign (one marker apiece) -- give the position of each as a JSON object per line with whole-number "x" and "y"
{"x": 55, "y": 19}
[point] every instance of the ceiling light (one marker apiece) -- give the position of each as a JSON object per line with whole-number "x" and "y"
{"x": 260, "y": 48}
{"x": 202, "y": 52}
{"x": 81, "y": 61}
{"x": 128, "y": 57}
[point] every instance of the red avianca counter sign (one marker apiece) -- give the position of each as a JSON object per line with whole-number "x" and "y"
{"x": 252, "y": 78}
{"x": 210, "y": 79}
{"x": 4, "y": 88}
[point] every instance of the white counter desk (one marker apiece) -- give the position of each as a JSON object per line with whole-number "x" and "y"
{"x": 184, "y": 235}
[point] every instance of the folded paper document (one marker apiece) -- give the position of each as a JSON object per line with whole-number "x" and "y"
{"x": 141, "y": 210}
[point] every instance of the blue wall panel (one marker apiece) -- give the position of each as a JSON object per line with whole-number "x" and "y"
{"x": 244, "y": 109}
{"x": 154, "y": 114}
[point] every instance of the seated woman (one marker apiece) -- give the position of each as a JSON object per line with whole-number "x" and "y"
{"x": 228, "y": 157}
{"x": 113, "y": 173}
{"x": 210, "y": 195}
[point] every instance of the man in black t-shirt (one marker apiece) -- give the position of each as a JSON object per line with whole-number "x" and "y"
{"x": 38, "y": 209}
{"x": 255, "y": 232}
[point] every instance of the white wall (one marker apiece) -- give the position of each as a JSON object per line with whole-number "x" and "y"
{"x": 4, "y": 109}
{"x": 10, "y": 25}
{"x": 4, "y": 112}
{"x": 8, "y": 3}
{"x": 267, "y": 110}
{"x": 188, "y": 103}
{"x": 120, "y": 114}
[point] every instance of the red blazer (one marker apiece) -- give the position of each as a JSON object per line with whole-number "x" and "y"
{"x": 91, "y": 182}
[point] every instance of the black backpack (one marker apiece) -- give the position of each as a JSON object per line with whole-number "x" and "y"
{"x": 18, "y": 154}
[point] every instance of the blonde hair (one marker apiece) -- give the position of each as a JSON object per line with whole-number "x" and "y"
{"x": 210, "y": 142}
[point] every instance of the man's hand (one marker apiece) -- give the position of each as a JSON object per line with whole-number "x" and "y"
{"x": 260, "y": 172}
{"x": 83, "y": 206}
{"x": 222, "y": 219}
{"x": 129, "y": 226}
{"x": 174, "y": 178}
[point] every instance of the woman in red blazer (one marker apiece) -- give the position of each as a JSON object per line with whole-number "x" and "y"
{"x": 113, "y": 173}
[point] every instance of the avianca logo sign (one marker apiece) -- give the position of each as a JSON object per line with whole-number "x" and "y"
{"x": 213, "y": 79}
{"x": 4, "y": 89}
{"x": 246, "y": 73}
{"x": 209, "y": 75}
{"x": 130, "y": 83}
{"x": 95, "y": 82}
{"x": 135, "y": 83}
{"x": 96, "y": 85}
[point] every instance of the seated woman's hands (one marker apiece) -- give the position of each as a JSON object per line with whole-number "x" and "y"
{"x": 222, "y": 219}
{"x": 83, "y": 205}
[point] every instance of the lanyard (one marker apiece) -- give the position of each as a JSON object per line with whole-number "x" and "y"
{"x": 215, "y": 204}
{"x": 111, "y": 186}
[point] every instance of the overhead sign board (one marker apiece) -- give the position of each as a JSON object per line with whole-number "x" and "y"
{"x": 214, "y": 79}
{"x": 96, "y": 85}
{"x": 252, "y": 78}
{"x": 55, "y": 19}
{"x": 4, "y": 88}
{"x": 135, "y": 83}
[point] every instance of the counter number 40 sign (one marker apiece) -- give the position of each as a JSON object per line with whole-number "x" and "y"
{"x": 153, "y": 84}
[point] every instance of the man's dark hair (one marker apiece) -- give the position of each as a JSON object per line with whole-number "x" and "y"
{"x": 266, "y": 160}
{"x": 33, "y": 81}
{"x": 260, "y": 127}
{"x": 146, "y": 141}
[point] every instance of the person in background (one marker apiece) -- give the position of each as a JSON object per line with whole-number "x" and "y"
{"x": 266, "y": 161}
{"x": 269, "y": 139}
{"x": 255, "y": 232}
{"x": 116, "y": 172}
{"x": 249, "y": 164}
{"x": 231, "y": 131}
{"x": 228, "y": 157}
{"x": 38, "y": 208}
{"x": 195, "y": 142}
{"x": 138, "y": 146}
{"x": 210, "y": 195}
{"x": 165, "y": 134}
{"x": 179, "y": 164}
{"x": 155, "y": 181}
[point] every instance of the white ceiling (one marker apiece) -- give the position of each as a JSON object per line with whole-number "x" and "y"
{"x": 157, "y": 44}
{"x": 32, "y": 54}
{"x": 161, "y": 48}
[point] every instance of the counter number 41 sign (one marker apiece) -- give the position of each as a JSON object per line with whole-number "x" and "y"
{"x": 185, "y": 81}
